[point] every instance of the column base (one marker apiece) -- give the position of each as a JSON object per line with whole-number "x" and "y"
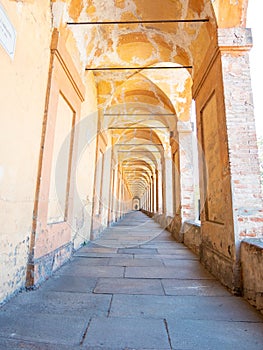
{"x": 43, "y": 267}
{"x": 227, "y": 271}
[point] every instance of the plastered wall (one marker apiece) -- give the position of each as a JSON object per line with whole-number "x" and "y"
{"x": 86, "y": 163}
{"x": 218, "y": 242}
{"x": 22, "y": 100}
{"x": 23, "y": 106}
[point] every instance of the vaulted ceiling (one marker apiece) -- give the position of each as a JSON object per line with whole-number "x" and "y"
{"x": 139, "y": 107}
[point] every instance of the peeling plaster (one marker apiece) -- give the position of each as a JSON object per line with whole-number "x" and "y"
{"x": 60, "y": 13}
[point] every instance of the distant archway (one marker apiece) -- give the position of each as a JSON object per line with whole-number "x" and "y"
{"x": 136, "y": 203}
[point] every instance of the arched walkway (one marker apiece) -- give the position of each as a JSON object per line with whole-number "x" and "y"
{"x": 133, "y": 288}
{"x": 117, "y": 101}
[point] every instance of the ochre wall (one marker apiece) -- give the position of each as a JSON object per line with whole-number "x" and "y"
{"x": 24, "y": 104}
{"x": 22, "y": 101}
{"x": 217, "y": 233}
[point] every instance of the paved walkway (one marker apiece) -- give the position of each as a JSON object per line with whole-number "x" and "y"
{"x": 135, "y": 288}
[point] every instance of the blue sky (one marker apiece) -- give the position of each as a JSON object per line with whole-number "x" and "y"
{"x": 254, "y": 20}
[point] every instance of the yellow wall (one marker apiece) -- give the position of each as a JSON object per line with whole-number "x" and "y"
{"x": 22, "y": 99}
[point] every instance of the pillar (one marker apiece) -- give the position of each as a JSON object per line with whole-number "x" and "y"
{"x": 186, "y": 171}
{"x": 154, "y": 193}
{"x": 160, "y": 190}
{"x": 242, "y": 142}
{"x": 231, "y": 204}
{"x": 168, "y": 184}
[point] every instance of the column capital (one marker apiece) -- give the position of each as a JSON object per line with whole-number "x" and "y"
{"x": 185, "y": 127}
{"x": 234, "y": 39}
{"x": 167, "y": 154}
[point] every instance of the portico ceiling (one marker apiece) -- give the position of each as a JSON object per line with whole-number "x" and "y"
{"x": 126, "y": 96}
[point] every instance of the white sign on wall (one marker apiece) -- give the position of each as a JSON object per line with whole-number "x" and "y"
{"x": 7, "y": 33}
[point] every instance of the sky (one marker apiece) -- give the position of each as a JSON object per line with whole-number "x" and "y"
{"x": 255, "y": 10}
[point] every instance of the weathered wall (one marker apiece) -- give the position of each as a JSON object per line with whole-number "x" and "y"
{"x": 22, "y": 100}
{"x": 26, "y": 80}
{"x": 51, "y": 239}
{"x": 230, "y": 199}
{"x": 252, "y": 272}
{"x": 242, "y": 141}
{"x": 192, "y": 236}
{"x": 217, "y": 231}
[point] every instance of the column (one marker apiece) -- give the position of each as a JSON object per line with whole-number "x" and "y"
{"x": 160, "y": 190}
{"x": 241, "y": 133}
{"x": 168, "y": 183}
{"x": 154, "y": 193}
{"x": 231, "y": 204}
{"x": 185, "y": 137}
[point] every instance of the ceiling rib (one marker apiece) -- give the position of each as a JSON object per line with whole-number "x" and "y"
{"x": 137, "y": 68}
{"x": 159, "y": 21}
{"x": 139, "y": 114}
{"x": 137, "y": 128}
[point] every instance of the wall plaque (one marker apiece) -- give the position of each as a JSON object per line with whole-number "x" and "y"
{"x": 7, "y": 33}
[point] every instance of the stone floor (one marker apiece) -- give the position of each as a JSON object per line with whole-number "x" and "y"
{"x": 134, "y": 288}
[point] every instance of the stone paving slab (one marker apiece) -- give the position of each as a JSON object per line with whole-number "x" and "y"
{"x": 128, "y": 286}
{"x": 165, "y": 245}
{"x": 72, "y": 284}
{"x": 135, "y": 262}
{"x": 97, "y": 249}
{"x": 52, "y": 328}
{"x": 11, "y": 344}
{"x": 166, "y": 272}
{"x": 122, "y": 244}
{"x": 228, "y": 308}
{"x": 59, "y": 303}
{"x": 98, "y": 255}
{"x": 206, "y": 308}
{"x": 137, "y": 251}
{"x": 161, "y": 257}
{"x": 176, "y": 251}
{"x": 182, "y": 256}
{"x": 126, "y": 333}
{"x": 183, "y": 264}
{"x": 215, "y": 335}
{"x": 92, "y": 271}
{"x": 194, "y": 287}
{"x": 86, "y": 261}
{"x": 145, "y": 306}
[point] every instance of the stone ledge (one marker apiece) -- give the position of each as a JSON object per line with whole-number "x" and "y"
{"x": 42, "y": 268}
{"x": 192, "y": 235}
{"x": 252, "y": 275}
{"x": 257, "y": 242}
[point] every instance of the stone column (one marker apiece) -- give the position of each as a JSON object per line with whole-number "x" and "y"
{"x": 152, "y": 194}
{"x": 231, "y": 204}
{"x": 186, "y": 170}
{"x": 168, "y": 184}
{"x": 118, "y": 194}
{"x": 149, "y": 197}
{"x": 154, "y": 200}
{"x": 243, "y": 152}
{"x": 156, "y": 192}
{"x": 143, "y": 201}
{"x": 160, "y": 190}
{"x": 111, "y": 197}
{"x": 105, "y": 191}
